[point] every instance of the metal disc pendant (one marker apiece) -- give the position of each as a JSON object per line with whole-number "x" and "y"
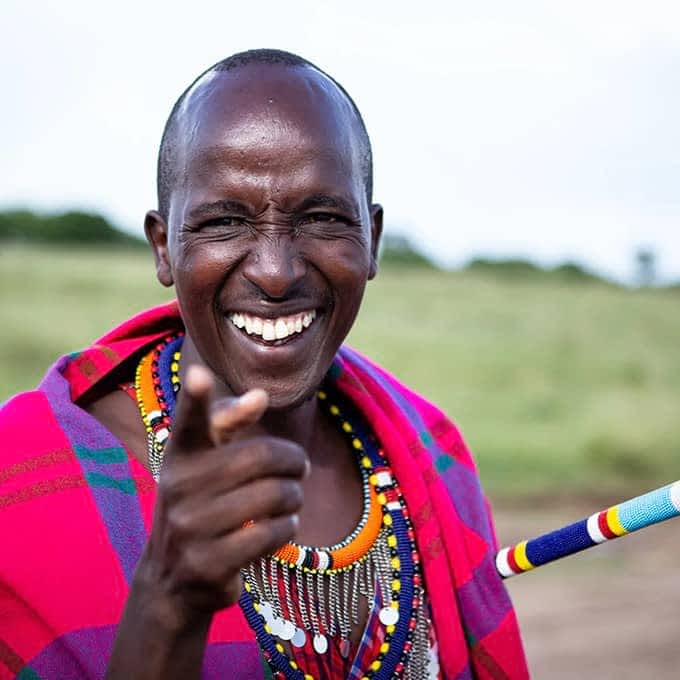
{"x": 320, "y": 643}
{"x": 287, "y": 630}
{"x": 388, "y": 616}
{"x": 299, "y": 639}
{"x": 276, "y": 626}
{"x": 266, "y": 611}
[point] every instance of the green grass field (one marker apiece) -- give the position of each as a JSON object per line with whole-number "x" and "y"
{"x": 560, "y": 389}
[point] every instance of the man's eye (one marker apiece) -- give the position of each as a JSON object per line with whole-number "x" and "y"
{"x": 320, "y": 218}
{"x": 224, "y": 222}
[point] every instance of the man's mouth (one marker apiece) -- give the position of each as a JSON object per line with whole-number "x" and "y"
{"x": 273, "y": 330}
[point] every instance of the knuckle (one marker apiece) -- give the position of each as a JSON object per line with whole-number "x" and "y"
{"x": 250, "y": 458}
{"x": 192, "y": 566}
{"x": 180, "y": 521}
{"x": 173, "y": 485}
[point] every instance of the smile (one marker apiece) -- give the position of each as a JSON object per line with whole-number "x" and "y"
{"x": 271, "y": 330}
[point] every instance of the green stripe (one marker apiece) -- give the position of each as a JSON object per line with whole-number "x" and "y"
{"x": 125, "y": 485}
{"x": 266, "y": 668}
{"x": 469, "y": 637}
{"x": 27, "y": 673}
{"x": 443, "y": 463}
{"x": 114, "y": 454}
{"x": 426, "y": 438}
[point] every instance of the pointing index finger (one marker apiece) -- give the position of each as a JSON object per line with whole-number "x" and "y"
{"x": 191, "y": 429}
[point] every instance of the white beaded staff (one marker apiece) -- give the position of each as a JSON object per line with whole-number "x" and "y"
{"x": 618, "y": 520}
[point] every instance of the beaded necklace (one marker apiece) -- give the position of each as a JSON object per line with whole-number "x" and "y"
{"x": 303, "y": 591}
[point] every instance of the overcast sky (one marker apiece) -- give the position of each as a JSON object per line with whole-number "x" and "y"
{"x": 521, "y": 128}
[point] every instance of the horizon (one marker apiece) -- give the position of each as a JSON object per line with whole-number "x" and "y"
{"x": 529, "y": 131}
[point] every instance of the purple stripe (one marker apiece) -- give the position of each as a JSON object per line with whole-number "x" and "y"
{"x": 119, "y": 511}
{"x": 84, "y": 654}
{"x": 462, "y": 485}
{"x": 465, "y": 674}
{"x": 354, "y": 359}
{"x": 483, "y": 600}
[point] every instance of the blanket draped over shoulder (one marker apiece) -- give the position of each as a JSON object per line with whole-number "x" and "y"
{"x": 76, "y": 510}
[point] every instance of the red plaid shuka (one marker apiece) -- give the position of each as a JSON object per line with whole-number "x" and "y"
{"x": 76, "y": 509}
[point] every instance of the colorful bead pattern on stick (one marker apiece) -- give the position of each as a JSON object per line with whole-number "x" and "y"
{"x": 618, "y": 520}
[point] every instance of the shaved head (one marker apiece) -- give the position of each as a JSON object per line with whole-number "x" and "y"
{"x": 173, "y": 135}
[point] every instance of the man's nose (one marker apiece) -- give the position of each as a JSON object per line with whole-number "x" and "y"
{"x": 274, "y": 265}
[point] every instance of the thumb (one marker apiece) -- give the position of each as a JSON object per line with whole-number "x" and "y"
{"x": 228, "y": 416}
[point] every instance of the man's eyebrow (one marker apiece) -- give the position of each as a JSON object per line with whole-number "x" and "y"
{"x": 216, "y": 208}
{"x": 328, "y": 201}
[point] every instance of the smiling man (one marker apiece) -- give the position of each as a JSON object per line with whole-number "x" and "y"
{"x": 312, "y": 517}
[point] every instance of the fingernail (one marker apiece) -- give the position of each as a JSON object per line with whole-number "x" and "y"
{"x": 308, "y": 468}
{"x": 197, "y": 379}
{"x": 295, "y": 519}
{"x": 253, "y": 396}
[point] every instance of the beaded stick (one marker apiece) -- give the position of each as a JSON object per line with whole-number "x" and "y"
{"x": 618, "y": 520}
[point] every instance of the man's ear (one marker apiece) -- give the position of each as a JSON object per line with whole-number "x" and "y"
{"x": 376, "y": 233}
{"x": 156, "y": 231}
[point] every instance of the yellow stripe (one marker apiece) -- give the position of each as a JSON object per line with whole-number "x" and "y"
{"x": 521, "y": 557}
{"x": 613, "y": 521}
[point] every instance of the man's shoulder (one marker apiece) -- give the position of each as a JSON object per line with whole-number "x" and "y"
{"x": 405, "y": 407}
{"x": 377, "y": 379}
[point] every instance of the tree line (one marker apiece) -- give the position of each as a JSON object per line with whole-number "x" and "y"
{"x": 72, "y": 228}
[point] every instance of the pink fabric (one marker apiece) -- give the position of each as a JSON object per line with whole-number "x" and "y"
{"x": 75, "y": 511}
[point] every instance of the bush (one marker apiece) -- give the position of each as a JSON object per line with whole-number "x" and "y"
{"x": 73, "y": 227}
{"x": 397, "y": 250}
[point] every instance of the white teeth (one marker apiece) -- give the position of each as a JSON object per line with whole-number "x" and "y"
{"x": 273, "y": 329}
{"x": 280, "y": 329}
{"x": 268, "y": 332}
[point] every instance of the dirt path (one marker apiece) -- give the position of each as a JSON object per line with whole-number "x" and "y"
{"x": 610, "y": 612}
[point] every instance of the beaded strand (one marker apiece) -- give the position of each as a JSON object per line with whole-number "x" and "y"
{"x": 381, "y": 551}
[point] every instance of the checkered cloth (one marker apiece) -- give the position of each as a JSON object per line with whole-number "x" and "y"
{"x": 76, "y": 509}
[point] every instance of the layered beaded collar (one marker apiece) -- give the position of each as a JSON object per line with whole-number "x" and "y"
{"x": 321, "y": 585}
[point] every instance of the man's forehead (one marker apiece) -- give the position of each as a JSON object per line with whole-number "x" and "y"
{"x": 287, "y": 97}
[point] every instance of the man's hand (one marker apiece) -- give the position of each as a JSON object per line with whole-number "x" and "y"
{"x": 210, "y": 487}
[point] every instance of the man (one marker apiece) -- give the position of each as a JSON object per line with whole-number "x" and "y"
{"x": 281, "y": 440}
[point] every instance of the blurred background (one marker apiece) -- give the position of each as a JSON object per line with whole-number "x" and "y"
{"x": 526, "y": 155}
